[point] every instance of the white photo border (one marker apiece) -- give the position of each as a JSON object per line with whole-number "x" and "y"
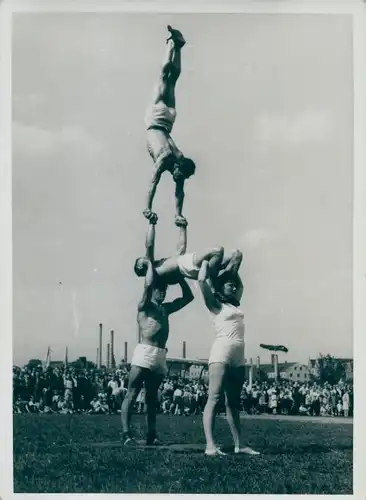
{"x": 355, "y": 8}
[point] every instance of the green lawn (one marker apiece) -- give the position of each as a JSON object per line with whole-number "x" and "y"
{"x": 52, "y": 455}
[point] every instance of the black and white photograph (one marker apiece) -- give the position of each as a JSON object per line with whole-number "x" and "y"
{"x": 185, "y": 251}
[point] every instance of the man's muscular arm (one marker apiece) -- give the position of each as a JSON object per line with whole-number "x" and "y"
{"x": 179, "y": 198}
{"x": 211, "y": 302}
{"x": 178, "y": 304}
{"x": 148, "y": 287}
{"x": 159, "y": 169}
{"x": 182, "y": 241}
{"x": 150, "y": 240}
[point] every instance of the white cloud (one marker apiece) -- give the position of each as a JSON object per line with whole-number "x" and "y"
{"x": 35, "y": 142}
{"x": 308, "y": 126}
{"x": 255, "y": 238}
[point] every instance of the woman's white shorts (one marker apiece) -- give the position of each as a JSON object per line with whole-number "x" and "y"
{"x": 227, "y": 352}
{"x": 148, "y": 356}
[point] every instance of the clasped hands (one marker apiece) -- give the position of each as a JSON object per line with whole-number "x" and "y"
{"x": 180, "y": 220}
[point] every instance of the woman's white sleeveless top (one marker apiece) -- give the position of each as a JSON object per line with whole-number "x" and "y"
{"x": 229, "y": 323}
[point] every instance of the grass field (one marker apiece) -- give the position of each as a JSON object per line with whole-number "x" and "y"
{"x": 52, "y": 454}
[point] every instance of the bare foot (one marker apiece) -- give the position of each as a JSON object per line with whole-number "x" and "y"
{"x": 246, "y": 450}
{"x": 176, "y": 36}
{"x": 129, "y": 442}
{"x": 212, "y": 452}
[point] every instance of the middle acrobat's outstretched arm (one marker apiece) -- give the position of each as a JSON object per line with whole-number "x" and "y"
{"x": 150, "y": 239}
{"x": 182, "y": 239}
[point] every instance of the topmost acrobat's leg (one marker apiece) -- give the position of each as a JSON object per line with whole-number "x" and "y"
{"x": 170, "y": 71}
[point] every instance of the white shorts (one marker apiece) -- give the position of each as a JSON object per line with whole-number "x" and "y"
{"x": 160, "y": 115}
{"x": 227, "y": 352}
{"x": 187, "y": 266}
{"x": 148, "y": 356}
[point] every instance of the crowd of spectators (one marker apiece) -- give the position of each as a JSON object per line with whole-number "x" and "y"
{"x": 68, "y": 391}
{"x": 295, "y": 398}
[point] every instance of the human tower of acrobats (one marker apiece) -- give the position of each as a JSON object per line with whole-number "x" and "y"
{"x": 216, "y": 274}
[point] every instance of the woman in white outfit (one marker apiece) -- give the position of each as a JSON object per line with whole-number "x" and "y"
{"x": 226, "y": 362}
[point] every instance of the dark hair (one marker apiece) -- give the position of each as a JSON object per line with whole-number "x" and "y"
{"x": 225, "y": 277}
{"x": 188, "y": 167}
{"x": 160, "y": 285}
{"x": 139, "y": 270}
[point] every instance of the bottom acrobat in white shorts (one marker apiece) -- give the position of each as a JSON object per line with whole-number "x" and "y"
{"x": 148, "y": 356}
{"x": 228, "y": 352}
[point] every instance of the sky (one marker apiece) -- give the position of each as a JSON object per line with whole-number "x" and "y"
{"x": 264, "y": 107}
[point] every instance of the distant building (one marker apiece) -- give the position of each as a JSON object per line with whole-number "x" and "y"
{"x": 195, "y": 372}
{"x": 187, "y": 367}
{"x": 196, "y": 368}
{"x": 176, "y": 369}
{"x": 294, "y": 371}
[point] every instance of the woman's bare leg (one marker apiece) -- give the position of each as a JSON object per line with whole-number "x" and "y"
{"x": 215, "y": 388}
{"x": 233, "y": 386}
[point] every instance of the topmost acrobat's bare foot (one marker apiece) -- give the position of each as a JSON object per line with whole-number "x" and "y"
{"x": 176, "y": 36}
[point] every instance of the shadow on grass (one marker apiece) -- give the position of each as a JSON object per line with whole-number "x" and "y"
{"x": 191, "y": 448}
